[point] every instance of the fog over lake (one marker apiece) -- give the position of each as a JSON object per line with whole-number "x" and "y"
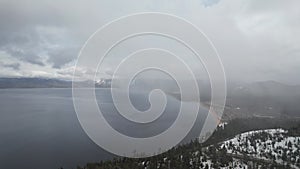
{"x": 39, "y": 127}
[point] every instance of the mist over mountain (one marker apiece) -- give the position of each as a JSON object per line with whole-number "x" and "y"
{"x": 33, "y": 83}
{"x": 264, "y": 99}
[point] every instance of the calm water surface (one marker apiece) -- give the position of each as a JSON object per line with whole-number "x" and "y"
{"x": 39, "y": 128}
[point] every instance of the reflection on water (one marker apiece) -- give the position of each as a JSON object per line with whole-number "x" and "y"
{"x": 39, "y": 128}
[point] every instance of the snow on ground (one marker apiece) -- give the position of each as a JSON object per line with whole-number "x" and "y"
{"x": 237, "y": 164}
{"x": 222, "y": 125}
{"x": 265, "y": 147}
{"x": 271, "y": 144}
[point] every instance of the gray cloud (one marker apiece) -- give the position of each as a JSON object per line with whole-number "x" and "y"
{"x": 208, "y": 3}
{"x": 14, "y": 66}
{"x": 35, "y": 33}
{"x": 60, "y": 57}
{"x": 40, "y": 45}
{"x": 257, "y": 40}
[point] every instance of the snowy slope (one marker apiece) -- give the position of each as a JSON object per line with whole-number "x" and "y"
{"x": 271, "y": 144}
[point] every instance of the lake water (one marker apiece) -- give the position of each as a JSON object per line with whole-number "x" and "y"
{"x": 39, "y": 128}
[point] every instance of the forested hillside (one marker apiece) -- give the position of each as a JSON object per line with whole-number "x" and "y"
{"x": 261, "y": 148}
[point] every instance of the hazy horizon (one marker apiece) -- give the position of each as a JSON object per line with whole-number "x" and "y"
{"x": 149, "y": 84}
{"x": 256, "y": 41}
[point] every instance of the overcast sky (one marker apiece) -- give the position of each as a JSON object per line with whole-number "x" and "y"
{"x": 257, "y": 40}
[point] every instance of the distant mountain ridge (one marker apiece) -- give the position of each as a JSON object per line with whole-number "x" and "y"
{"x": 33, "y": 83}
{"x": 264, "y": 99}
{"x": 47, "y": 83}
{"x": 267, "y": 98}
